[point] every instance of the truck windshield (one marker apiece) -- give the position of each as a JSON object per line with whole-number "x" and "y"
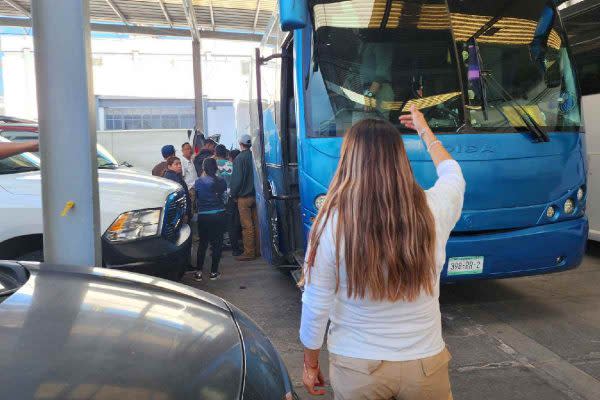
{"x": 19, "y": 163}
{"x": 516, "y": 48}
{"x": 105, "y": 159}
{"x": 377, "y": 60}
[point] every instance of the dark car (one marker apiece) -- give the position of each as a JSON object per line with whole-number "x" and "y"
{"x": 83, "y": 333}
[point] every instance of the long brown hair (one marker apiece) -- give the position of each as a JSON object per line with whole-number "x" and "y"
{"x": 383, "y": 221}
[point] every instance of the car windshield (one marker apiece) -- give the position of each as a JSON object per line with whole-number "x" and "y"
{"x": 515, "y": 60}
{"x": 19, "y": 163}
{"x": 105, "y": 159}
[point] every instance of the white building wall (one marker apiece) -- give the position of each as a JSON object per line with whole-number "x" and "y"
{"x": 137, "y": 66}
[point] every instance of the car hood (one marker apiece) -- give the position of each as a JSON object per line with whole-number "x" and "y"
{"x": 119, "y": 191}
{"x": 72, "y": 332}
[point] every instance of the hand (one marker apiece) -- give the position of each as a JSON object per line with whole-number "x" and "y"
{"x": 415, "y": 120}
{"x": 312, "y": 377}
{"x": 33, "y": 146}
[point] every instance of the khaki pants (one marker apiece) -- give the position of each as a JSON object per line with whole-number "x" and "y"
{"x": 249, "y": 221}
{"x": 424, "y": 379}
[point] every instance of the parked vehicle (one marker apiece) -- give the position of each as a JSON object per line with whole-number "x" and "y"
{"x": 582, "y": 22}
{"x": 141, "y": 218}
{"x": 496, "y": 83}
{"x": 91, "y": 333}
{"x": 18, "y": 130}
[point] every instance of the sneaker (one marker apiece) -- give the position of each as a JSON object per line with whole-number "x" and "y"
{"x": 198, "y": 276}
{"x": 214, "y": 276}
{"x": 237, "y": 253}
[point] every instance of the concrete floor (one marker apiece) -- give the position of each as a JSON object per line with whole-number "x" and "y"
{"x": 526, "y": 338}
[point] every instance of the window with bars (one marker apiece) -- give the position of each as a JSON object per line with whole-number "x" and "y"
{"x": 123, "y": 118}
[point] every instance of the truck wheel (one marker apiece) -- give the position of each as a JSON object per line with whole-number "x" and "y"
{"x": 36, "y": 255}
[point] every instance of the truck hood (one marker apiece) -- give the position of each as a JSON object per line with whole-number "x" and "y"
{"x": 119, "y": 190}
{"x": 102, "y": 333}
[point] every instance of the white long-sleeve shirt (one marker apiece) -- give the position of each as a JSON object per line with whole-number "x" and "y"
{"x": 189, "y": 172}
{"x": 381, "y": 330}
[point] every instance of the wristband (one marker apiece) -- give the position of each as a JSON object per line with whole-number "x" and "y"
{"x": 430, "y": 145}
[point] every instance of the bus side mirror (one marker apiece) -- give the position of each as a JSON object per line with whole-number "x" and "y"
{"x": 293, "y": 14}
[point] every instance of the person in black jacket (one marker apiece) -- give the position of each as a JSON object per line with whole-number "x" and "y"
{"x": 212, "y": 219}
{"x": 174, "y": 173}
{"x": 242, "y": 191}
{"x": 207, "y": 150}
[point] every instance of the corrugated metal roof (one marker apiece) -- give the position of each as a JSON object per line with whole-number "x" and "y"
{"x": 240, "y": 16}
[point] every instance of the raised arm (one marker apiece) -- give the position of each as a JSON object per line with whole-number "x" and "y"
{"x": 10, "y": 149}
{"x": 447, "y": 194}
{"x": 415, "y": 120}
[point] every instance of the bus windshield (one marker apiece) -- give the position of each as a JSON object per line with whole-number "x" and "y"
{"x": 371, "y": 61}
{"x": 377, "y": 59}
{"x": 515, "y": 61}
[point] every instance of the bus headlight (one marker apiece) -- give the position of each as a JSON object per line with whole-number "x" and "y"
{"x": 580, "y": 193}
{"x": 550, "y": 212}
{"x": 569, "y": 206}
{"x": 319, "y": 201}
{"x": 133, "y": 225}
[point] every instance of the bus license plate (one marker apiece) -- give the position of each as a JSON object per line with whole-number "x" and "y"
{"x": 465, "y": 265}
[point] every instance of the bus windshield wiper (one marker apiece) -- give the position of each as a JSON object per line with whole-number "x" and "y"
{"x": 533, "y": 126}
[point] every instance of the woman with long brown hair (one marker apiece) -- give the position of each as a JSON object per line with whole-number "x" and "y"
{"x": 373, "y": 268}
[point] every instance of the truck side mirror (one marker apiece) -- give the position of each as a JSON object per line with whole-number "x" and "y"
{"x": 293, "y": 14}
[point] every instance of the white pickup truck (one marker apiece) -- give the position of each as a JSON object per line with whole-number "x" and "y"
{"x": 141, "y": 218}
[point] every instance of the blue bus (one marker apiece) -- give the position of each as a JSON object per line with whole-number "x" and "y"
{"x": 495, "y": 80}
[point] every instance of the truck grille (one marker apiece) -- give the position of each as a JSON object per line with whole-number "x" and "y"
{"x": 174, "y": 212}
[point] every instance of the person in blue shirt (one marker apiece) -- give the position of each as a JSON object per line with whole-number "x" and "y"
{"x": 212, "y": 219}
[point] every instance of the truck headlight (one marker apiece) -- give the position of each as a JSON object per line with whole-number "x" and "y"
{"x": 133, "y": 225}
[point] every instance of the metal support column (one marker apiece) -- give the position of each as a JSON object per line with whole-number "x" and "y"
{"x": 61, "y": 34}
{"x": 198, "y": 100}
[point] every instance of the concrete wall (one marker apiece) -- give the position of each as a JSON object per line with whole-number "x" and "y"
{"x": 141, "y": 148}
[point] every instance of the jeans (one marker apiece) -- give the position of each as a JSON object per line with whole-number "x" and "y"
{"x": 210, "y": 231}
{"x": 247, "y": 208}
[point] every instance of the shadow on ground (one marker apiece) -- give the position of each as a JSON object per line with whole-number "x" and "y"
{"x": 525, "y": 338}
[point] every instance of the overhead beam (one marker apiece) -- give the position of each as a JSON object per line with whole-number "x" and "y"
{"x": 18, "y": 7}
{"x": 117, "y": 11}
{"x": 256, "y": 15}
{"x": 146, "y": 30}
{"x": 212, "y": 14}
{"x": 165, "y": 12}
{"x": 190, "y": 15}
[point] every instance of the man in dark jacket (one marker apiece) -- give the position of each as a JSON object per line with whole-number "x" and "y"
{"x": 160, "y": 168}
{"x": 207, "y": 150}
{"x": 242, "y": 191}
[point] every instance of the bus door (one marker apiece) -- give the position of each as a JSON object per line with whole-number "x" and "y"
{"x": 275, "y": 153}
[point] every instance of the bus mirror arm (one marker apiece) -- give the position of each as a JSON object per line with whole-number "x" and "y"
{"x": 264, "y": 60}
